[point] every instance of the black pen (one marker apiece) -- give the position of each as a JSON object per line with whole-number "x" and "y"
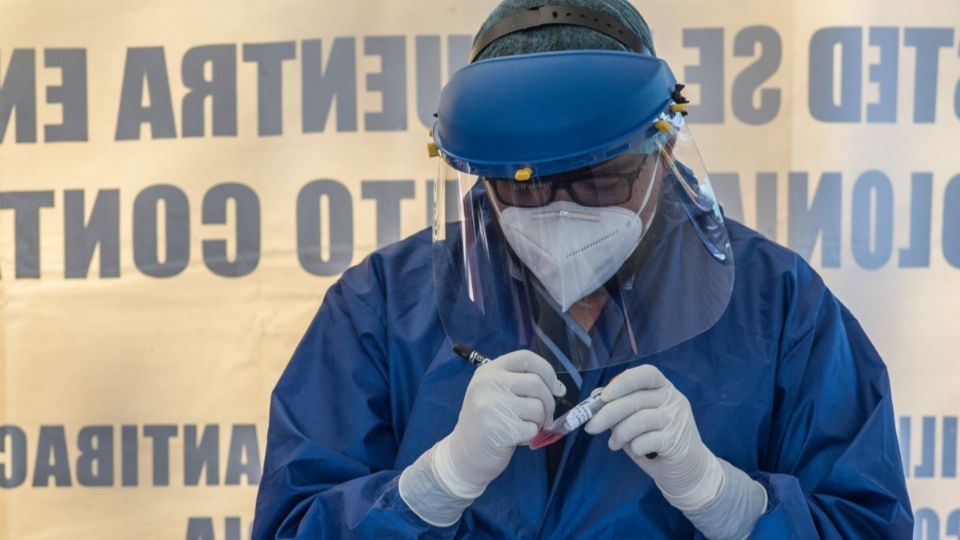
{"x": 479, "y": 359}
{"x": 470, "y": 355}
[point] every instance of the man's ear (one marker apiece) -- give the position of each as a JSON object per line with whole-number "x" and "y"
{"x": 668, "y": 148}
{"x": 666, "y": 152}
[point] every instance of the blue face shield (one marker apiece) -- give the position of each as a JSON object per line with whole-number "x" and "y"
{"x": 573, "y": 215}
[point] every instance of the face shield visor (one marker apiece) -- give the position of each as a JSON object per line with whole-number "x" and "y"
{"x": 574, "y": 219}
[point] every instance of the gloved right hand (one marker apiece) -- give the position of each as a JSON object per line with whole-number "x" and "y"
{"x": 506, "y": 403}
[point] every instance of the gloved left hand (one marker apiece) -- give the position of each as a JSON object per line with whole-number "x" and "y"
{"x": 646, "y": 414}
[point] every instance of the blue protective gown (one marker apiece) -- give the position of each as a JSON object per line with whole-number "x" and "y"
{"x": 786, "y": 386}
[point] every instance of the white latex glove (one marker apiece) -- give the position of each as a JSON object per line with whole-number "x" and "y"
{"x": 646, "y": 413}
{"x": 506, "y": 403}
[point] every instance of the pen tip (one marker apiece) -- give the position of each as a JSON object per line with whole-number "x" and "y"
{"x": 462, "y": 350}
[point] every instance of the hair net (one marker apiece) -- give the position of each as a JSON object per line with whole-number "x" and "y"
{"x": 564, "y": 37}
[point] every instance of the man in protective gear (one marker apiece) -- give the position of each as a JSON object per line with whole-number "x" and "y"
{"x": 578, "y": 242}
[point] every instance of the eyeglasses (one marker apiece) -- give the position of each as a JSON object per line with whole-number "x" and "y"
{"x": 607, "y": 184}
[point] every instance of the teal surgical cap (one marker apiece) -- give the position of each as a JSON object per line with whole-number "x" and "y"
{"x": 563, "y": 37}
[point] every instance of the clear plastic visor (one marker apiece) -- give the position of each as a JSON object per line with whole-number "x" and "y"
{"x": 589, "y": 268}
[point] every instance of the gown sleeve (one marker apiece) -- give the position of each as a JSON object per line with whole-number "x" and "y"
{"x": 331, "y": 446}
{"x": 832, "y": 465}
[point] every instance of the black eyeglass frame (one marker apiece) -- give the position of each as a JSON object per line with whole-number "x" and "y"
{"x": 567, "y": 182}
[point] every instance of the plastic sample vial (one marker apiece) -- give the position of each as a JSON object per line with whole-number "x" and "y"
{"x": 574, "y": 418}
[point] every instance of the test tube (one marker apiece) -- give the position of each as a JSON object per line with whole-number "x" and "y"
{"x": 574, "y": 418}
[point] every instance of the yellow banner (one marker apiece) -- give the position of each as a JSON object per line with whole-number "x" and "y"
{"x": 180, "y": 182}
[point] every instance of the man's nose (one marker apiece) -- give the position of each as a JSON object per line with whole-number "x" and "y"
{"x": 561, "y": 194}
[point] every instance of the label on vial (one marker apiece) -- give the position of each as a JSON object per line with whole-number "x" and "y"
{"x": 580, "y": 414}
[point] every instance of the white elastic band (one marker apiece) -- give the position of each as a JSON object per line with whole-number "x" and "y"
{"x": 704, "y": 492}
{"x": 427, "y": 496}
{"x": 738, "y": 505}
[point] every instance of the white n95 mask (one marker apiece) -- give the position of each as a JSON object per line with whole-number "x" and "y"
{"x": 572, "y": 249}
